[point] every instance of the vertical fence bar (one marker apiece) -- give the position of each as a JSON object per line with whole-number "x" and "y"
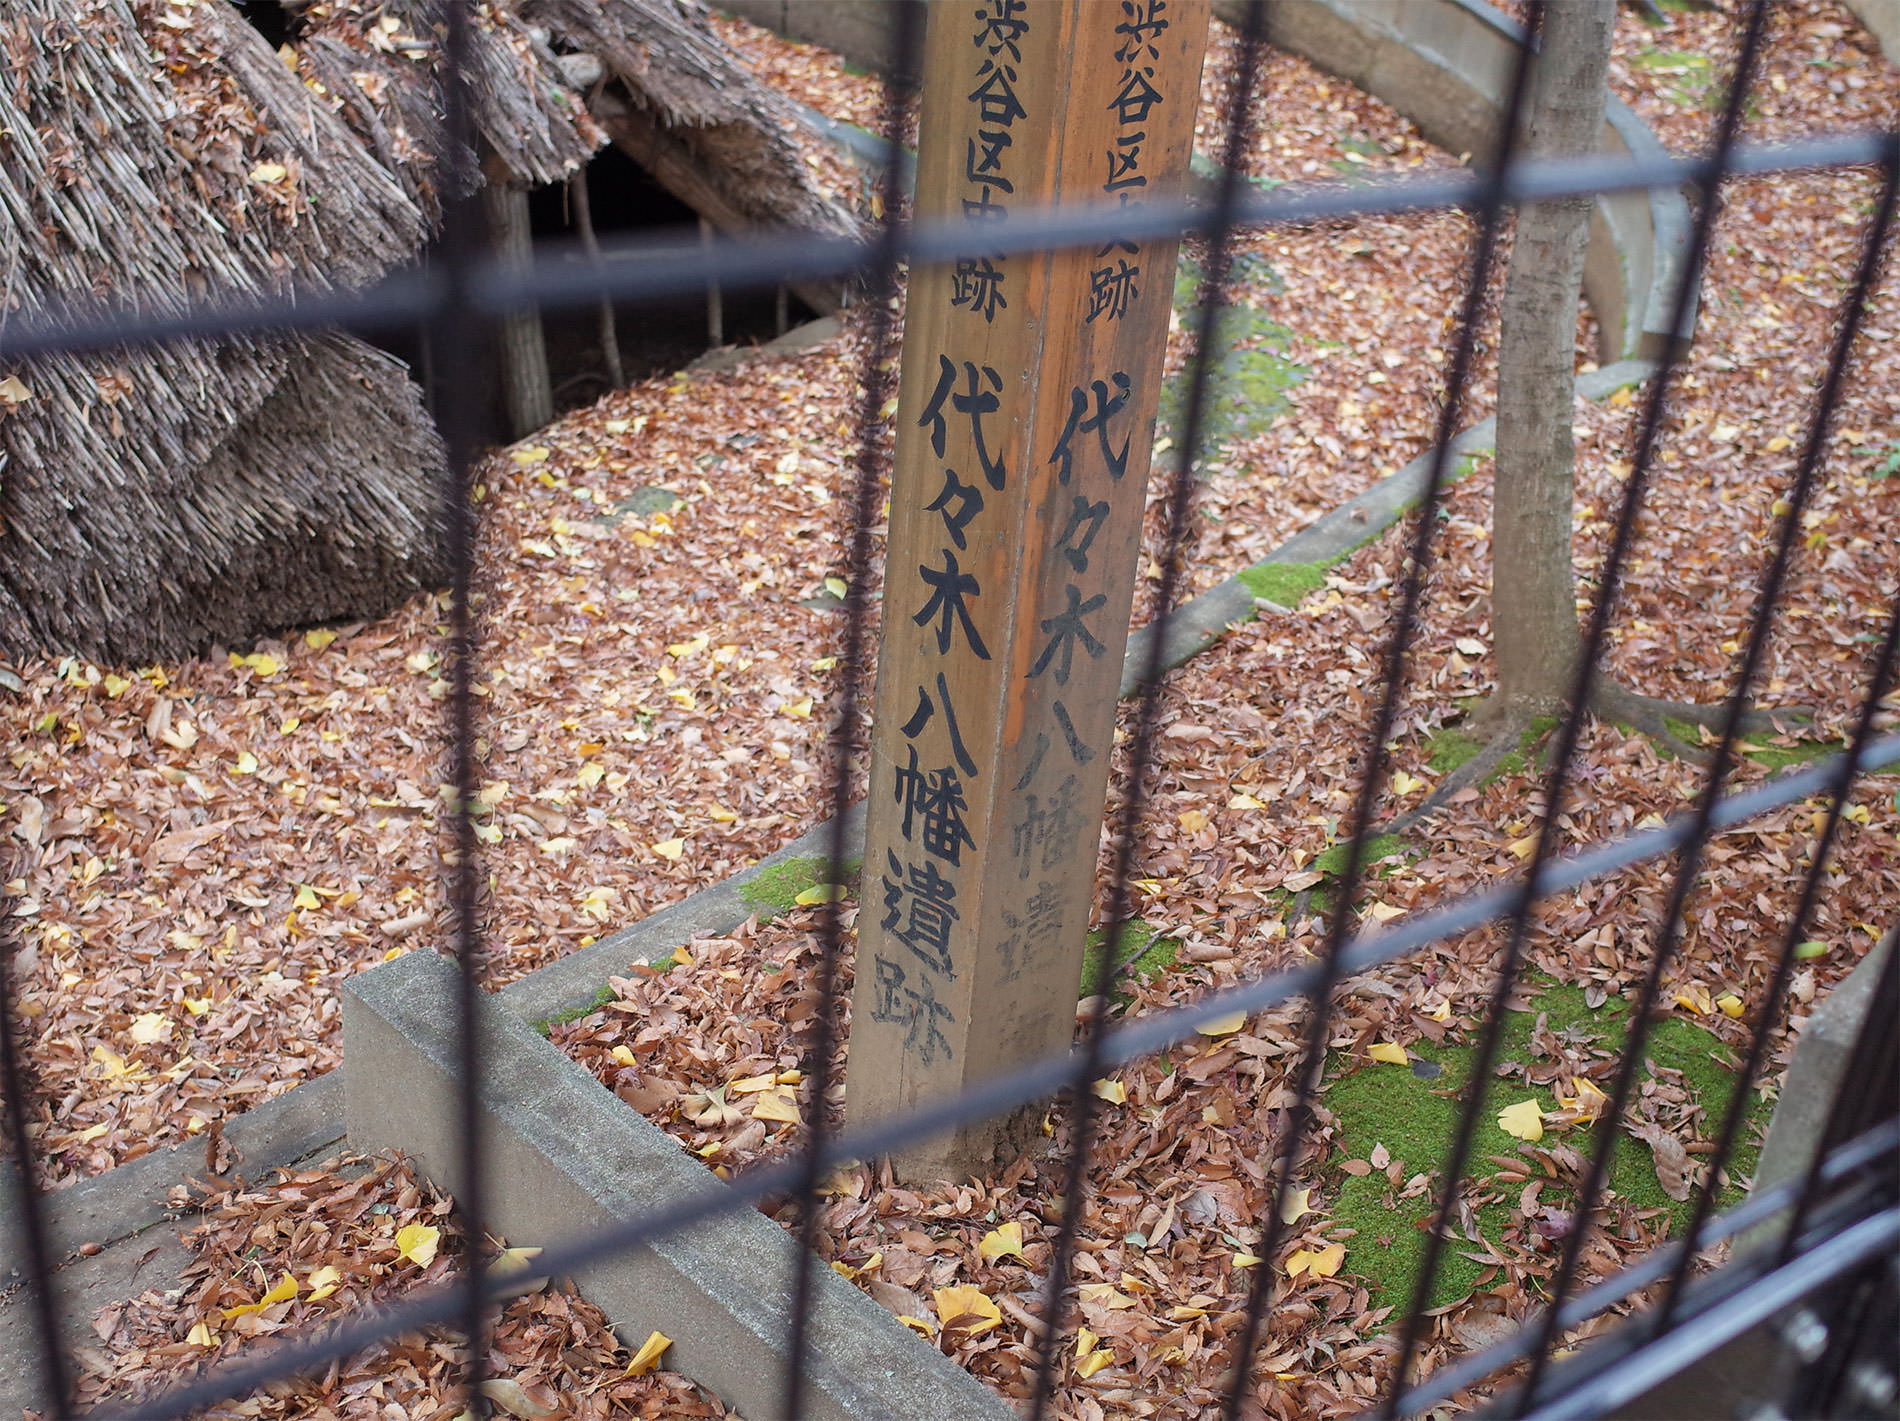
{"x": 1312, "y": 1066}
{"x": 454, "y": 316}
{"x": 1180, "y": 513}
{"x": 1769, "y": 1012}
{"x": 16, "y": 1088}
{"x": 881, "y": 280}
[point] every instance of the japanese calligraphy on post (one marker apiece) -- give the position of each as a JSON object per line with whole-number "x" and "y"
{"x": 1025, "y": 421}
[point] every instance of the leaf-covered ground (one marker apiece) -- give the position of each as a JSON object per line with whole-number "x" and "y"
{"x": 310, "y": 1246}
{"x": 201, "y": 852}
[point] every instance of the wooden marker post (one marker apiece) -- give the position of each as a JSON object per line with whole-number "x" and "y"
{"x": 1025, "y": 422}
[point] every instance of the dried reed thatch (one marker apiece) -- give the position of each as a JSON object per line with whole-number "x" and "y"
{"x": 157, "y": 502}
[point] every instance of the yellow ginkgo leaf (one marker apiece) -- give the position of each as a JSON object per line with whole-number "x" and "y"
{"x": 591, "y": 774}
{"x": 779, "y": 1105}
{"x": 1404, "y": 784}
{"x": 670, "y": 849}
{"x": 647, "y": 1359}
{"x": 1192, "y": 821}
{"x": 1525, "y": 1120}
{"x": 1114, "y": 1092}
{"x": 323, "y": 1282}
{"x": 1298, "y": 1202}
{"x": 1105, "y": 1295}
{"x": 513, "y": 1263}
{"x": 837, "y": 587}
{"x": 533, "y": 454}
{"x": 1088, "y": 1366}
{"x": 1390, "y": 1054}
{"x": 197, "y": 1006}
{"x": 966, "y": 1307}
{"x": 283, "y": 1290}
{"x": 719, "y": 814}
{"x": 1588, "y": 1101}
{"x": 1730, "y": 1004}
{"x": 318, "y": 637}
{"x": 821, "y": 893}
{"x": 624, "y": 1056}
{"x": 1223, "y": 1025}
{"x": 798, "y": 710}
{"x": 116, "y": 685}
{"x": 1695, "y": 998}
{"x": 150, "y": 1027}
{"x": 1441, "y": 1012}
{"x": 245, "y": 764}
{"x": 306, "y": 897}
{"x": 1319, "y": 1263}
{"x": 418, "y": 1243}
{"x": 1001, "y": 1242}
{"x": 1244, "y": 801}
{"x": 1522, "y": 847}
{"x": 201, "y": 1336}
{"x": 1246, "y": 1260}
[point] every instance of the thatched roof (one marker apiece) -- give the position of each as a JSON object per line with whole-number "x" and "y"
{"x": 143, "y": 158}
{"x": 155, "y": 502}
{"x": 697, "y": 121}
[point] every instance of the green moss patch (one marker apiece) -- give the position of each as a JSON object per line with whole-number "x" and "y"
{"x": 1148, "y": 953}
{"x": 1452, "y": 746}
{"x": 1247, "y": 388}
{"x": 600, "y": 999}
{"x": 1283, "y": 583}
{"x": 1413, "y": 1114}
{"x": 1382, "y": 853}
{"x": 775, "y": 888}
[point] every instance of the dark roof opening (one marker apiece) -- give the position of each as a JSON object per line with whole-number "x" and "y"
{"x": 654, "y": 338}
{"x": 273, "y": 19}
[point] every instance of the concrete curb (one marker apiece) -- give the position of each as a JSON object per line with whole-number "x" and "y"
{"x": 565, "y": 1157}
{"x": 1800, "y": 1122}
{"x": 573, "y": 981}
{"x": 123, "y": 1201}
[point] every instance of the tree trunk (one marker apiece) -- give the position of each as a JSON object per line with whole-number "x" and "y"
{"x": 524, "y": 353}
{"x": 1533, "y": 598}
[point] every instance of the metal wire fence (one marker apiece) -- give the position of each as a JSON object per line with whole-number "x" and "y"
{"x": 1840, "y": 1218}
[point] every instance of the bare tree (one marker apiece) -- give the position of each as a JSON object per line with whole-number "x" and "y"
{"x": 1533, "y": 597}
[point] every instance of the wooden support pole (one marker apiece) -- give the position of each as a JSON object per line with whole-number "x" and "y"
{"x": 609, "y": 329}
{"x": 715, "y": 302}
{"x": 526, "y": 390}
{"x": 1025, "y": 421}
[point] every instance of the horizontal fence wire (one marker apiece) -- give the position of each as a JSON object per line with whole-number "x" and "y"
{"x": 454, "y": 297}
{"x": 657, "y": 269}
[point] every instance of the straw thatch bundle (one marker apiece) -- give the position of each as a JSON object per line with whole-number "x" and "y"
{"x": 159, "y": 501}
{"x": 153, "y": 501}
